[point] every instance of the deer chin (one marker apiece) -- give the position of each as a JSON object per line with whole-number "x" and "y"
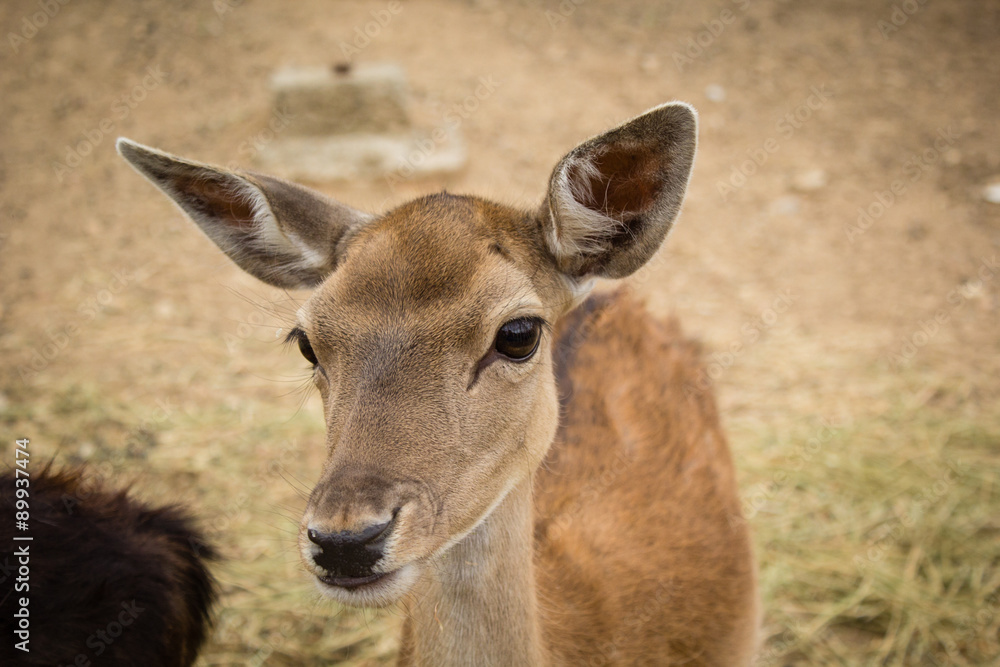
{"x": 378, "y": 590}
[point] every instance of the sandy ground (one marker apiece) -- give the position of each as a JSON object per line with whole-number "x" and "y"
{"x": 836, "y": 253}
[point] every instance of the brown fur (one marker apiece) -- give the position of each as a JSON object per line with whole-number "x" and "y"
{"x": 634, "y": 440}
{"x": 513, "y": 535}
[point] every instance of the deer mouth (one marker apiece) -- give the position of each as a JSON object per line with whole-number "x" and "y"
{"x": 375, "y": 590}
{"x": 352, "y": 583}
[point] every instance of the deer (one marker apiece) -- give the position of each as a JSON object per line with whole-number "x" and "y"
{"x": 512, "y": 457}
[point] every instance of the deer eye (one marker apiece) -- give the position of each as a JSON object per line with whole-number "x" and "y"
{"x": 518, "y": 339}
{"x": 307, "y": 350}
{"x": 299, "y": 336}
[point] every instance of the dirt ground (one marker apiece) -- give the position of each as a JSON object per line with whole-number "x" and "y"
{"x": 837, "y": 255}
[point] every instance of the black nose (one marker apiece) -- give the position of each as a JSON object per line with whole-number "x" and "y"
{"x": 349, "y": 554}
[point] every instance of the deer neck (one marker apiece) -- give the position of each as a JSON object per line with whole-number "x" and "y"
{"x": 478, "y": 605}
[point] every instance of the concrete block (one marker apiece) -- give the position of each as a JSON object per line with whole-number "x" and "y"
{"x": 366, "y": 98}
{"x": 352, "y": 122}
{"x": 396, "y": 157}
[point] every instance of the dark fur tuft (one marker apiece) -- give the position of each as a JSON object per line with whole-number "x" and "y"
{"x": 103, "y": 562}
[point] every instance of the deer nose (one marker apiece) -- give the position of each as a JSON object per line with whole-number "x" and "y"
{"x": 350, "y": 554}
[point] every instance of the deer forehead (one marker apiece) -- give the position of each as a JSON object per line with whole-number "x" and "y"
{"x": 436, "y": 270}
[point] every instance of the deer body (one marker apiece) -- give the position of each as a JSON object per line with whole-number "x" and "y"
{"x": 617, "y": 444}
{"x": 446, "y": 337}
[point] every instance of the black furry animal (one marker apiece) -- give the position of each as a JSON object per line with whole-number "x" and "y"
{"x": 108, "y": 580}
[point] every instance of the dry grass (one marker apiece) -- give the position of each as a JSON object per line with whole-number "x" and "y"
{"x": 877, "y": 537}
{"x": 878, "y": 541}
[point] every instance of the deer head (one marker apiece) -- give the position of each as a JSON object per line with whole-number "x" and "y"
{"x": 429, "y": 330}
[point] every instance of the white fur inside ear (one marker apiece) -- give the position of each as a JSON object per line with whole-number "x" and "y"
{"x": 311, "y": 259}
{"x": 271, "y": 238}
{"x": 578, "y": 229}
{"x": 268, "y": 237}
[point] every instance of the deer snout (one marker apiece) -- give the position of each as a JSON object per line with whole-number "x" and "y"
{"x": 363, "y": 530}
{"x": 350, "y": 555}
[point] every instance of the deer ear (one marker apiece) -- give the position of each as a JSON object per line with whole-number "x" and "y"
{"x": 279, "y": 232}
{"x": 613, "y": 198}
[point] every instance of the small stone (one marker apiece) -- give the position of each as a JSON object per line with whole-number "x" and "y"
{"x": 917, "y": 231}
{"x": 807, "y": 181}
{"x": 991, "y": 192}
{"x": 715, "y": 93}
{"x": 556, "y": 53}
{"x": 164, "y": 309}
{"x": 786, "y": 205}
